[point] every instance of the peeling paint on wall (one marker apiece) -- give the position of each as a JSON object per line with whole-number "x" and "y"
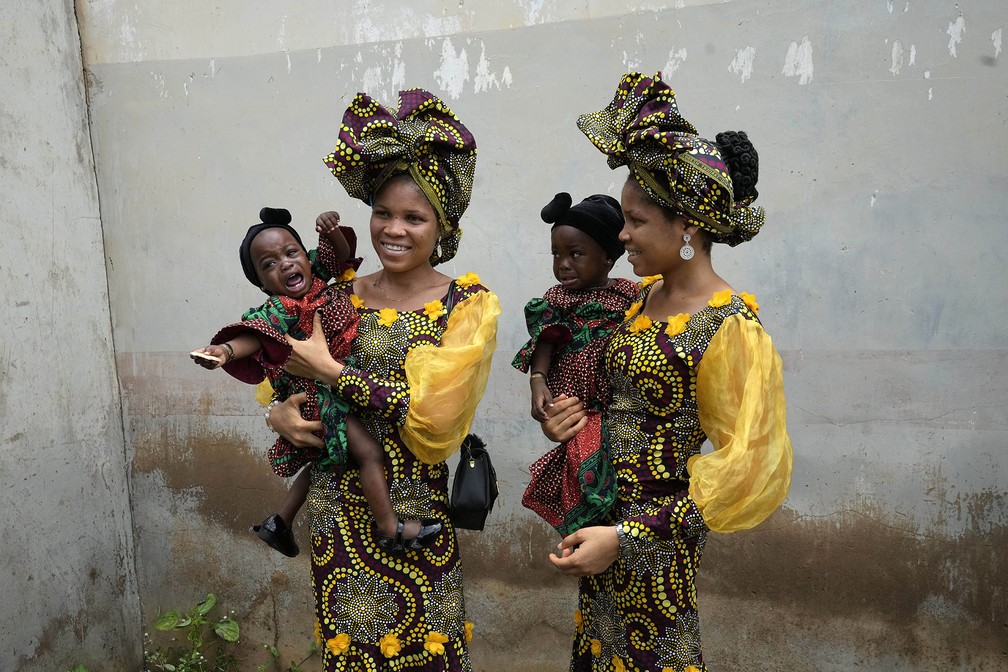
{"x": 676, "y": 58}
{"x": 453, "y": 72}
{"x": 742, "y": 63}
{"x": 798, "y": 62}
{"x": 484, "y": 79}
{"x": 955, "y": 32}
{"x": 897, "y": 57}
{"x": 533, "y": 11}
{"x": 996, "y": 41}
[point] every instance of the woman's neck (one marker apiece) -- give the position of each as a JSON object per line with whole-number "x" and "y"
{"x": 684, "y": 289}
{"x": 408, "y": 290}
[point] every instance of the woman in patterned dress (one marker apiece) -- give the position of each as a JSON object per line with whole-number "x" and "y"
{"x": 691, "y": 363}
{"x": 419, "y": 367}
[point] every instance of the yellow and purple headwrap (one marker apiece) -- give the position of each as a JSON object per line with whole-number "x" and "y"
{"x": 424, "y": 138}
{"x": 642, "y": 129}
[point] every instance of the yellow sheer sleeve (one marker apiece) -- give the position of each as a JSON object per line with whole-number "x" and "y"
{"x": 446, "y": 382}
{"x": 264, "y": 392}
{"x": 740, "y": 398}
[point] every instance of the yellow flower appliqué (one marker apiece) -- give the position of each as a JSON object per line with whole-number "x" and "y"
{"x": 469, "y": 625}
{"x": 722, "y": 298}
{"x": 339, "y": 644}
{"x": 434, "y": 643}
{"x": 649, "y": 280}
{"x": 676, "y": 324}
{"x": 434, "y": 310}
{"x": 357, "y": 302}
{"x": 640, "y": 323}
{"x": 618, "y": 665}
{"x": 750, "y": 301}
{"x": 467, "y": 280}
{"x": 596, "y": 647}
{"x": 632, "y": 310}
{"x": 390, "y": 645}
{"x": 347, "y": 275}
{"x": 386, "y": 316}
{"x": 578, "y": 620}
{"x": 318, "y": 633}
{"x": 692, "y": 668}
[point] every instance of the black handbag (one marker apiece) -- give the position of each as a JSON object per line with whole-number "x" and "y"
{"x": 474, "y": 489}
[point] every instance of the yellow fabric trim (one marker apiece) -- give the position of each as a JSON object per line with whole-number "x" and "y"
{"x": 264, "y": 392}
{"x": 740, "y": 398}
{"x": 446, "y": 382}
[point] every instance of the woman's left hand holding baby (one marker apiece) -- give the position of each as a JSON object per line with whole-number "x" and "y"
{"x": 586, "y": 552}
{"x": 311, "y": 358}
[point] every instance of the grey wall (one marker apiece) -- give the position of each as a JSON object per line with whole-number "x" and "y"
{"x": 881, "y": 130}
{"x": 68, "y": 586}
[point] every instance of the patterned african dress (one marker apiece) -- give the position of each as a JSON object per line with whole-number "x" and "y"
{"x": 572, "y": 485}
{"x": 641, "y": 613}
{"x": 281, "y": 315}
{"x": 377, "y": 611}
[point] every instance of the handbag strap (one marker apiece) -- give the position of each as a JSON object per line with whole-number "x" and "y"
{"x": 451, "y": 299}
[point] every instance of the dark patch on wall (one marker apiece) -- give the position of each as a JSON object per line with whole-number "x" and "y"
{"x": 855, "y": 586}
{"x": 238, "y": 487}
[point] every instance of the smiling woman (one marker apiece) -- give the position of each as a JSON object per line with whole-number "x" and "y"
{"x": 399, "y": 612}
{"x": 690, "y": 362}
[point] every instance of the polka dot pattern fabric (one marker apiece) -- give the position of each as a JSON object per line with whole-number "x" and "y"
{"x": 643, "y": 609}
{"x": 572, "y": 484}
{"x": 361, "y": 591}
{"x": 642, "y": 129}
{"x": 281, "y": 315}
{"x": 423, "y": 137}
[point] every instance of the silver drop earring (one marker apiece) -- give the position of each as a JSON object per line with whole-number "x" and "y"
{"x": 686, "y": 251}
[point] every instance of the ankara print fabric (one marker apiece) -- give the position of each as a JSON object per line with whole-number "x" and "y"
{"x": 578, "y": 323}
{"x": 643, "y": 609}
{"x": 423, "y": 137}
{"x": 572, "y": 484}
{"x": 283, "y": 315}
{"x": 643, "y": 129}
{"x": 409, "y": 602}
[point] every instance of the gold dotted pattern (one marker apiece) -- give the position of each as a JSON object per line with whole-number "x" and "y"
{"x": 361, "y": 590}
{"x": 654, "y": 429}
{"x": 642, "y": 129}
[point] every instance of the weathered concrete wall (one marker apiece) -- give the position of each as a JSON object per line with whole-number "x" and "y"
{"x": 881, "y": 128}
{"x": 68, "y": 586}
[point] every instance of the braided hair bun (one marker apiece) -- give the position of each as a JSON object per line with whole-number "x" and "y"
{"x": 743, "y": 164}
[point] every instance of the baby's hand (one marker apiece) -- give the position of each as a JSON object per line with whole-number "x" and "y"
{"x": 210, "y": 357}
{"x": 541, "y": 399}
{"x": 327, "y": 223}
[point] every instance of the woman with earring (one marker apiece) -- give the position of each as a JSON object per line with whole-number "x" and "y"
{"x": 691, "y": 363}
{"x": 418, "y": 367}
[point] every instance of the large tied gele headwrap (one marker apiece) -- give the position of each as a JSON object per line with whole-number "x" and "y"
{"x": 642, "y": 129}
{"x": 424, "y": 138}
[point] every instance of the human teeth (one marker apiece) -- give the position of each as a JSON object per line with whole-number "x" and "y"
{"x": 394, "y": 248}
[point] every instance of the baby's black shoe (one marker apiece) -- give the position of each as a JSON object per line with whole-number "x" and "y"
{"x": 274, "y": 531}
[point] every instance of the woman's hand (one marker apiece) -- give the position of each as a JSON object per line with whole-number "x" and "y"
{"x": 588, "y": 551}
{"x": 311, "y": 359}
{"x": 287, "y": 421}
{"x": 566, "y": 417}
